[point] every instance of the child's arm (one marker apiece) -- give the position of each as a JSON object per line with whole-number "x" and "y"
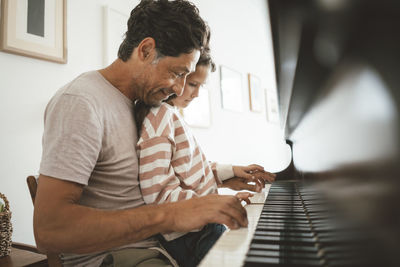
{"x": 158, "y": 181}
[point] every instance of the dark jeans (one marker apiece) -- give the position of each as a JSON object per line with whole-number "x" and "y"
{"x": 189, "y": 250}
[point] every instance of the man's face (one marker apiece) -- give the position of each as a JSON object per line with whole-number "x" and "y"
{"x": 166, "y": 76}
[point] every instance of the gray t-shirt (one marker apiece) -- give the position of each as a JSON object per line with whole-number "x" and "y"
{"x": 90, "y": 138}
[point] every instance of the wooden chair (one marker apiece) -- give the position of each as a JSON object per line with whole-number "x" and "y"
{"x": 24, "y": 255}
{"x": 52, "y": 259}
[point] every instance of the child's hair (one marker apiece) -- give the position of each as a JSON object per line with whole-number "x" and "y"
{"x": 141, "y": 109}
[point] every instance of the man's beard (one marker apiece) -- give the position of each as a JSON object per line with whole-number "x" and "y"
{"x": 140, "y": 93}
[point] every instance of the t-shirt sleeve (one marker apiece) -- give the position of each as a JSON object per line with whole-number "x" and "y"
{"x": 71, "y": 140}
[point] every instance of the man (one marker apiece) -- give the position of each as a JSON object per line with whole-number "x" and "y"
{"x": 88, "y": 203}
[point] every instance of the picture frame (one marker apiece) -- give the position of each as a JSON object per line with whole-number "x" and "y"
{"x": 231, "y": 89}
{"x": 34, "y": 29}
{"x": 256, "y": 97}
{"x": 272, "y": 105}
{"x": 198, "y": 113}
{"x": 114, "y": 29}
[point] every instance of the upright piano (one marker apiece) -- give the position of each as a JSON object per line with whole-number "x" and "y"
{"x": 338, "y": 202}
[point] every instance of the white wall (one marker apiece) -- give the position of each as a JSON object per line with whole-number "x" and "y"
{"x": 240, "y": 40}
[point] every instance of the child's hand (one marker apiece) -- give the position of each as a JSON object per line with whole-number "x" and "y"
{"x": 247, "y": 172}
{"x": 254, "y": 173}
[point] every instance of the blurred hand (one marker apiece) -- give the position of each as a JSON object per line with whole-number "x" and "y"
{"x": 237, "y": 183}
{"x": 246, "y": 174}
{"x": 244, "y": 196}
{"x": 247, "y": 171}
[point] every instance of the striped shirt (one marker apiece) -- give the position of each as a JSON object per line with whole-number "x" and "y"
{"x": 172, "y": 166}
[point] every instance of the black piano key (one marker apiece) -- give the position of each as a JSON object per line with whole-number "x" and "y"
{"x": 283, "y": 254}
{"x": 284, "y": 203}
{"x": 283, "y": 228}
{"x": 272, "y": 197}
{"x": 270, "y": 261}
{"x": 265, "y": 222}
{"x": 280, "y": 205}
{"x": 282, "y": 209}
{"x": 280, "y": 215}
{"x": 303, "y": 223}
{"x": 290, "y": 234}
{"x": 282, "y": 194}
{"x": 287, "y": 248}
{"x": 295, "y": 241}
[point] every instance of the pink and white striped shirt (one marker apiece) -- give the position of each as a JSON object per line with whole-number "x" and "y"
{"x": 172, "y": 166}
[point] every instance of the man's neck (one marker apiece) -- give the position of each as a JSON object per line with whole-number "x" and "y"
{"x": 119, "y": 75}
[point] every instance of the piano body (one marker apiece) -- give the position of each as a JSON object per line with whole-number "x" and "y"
{"x": 338, "y": 202}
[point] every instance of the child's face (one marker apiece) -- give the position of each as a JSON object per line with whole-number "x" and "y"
{"x": 192, "y": 86}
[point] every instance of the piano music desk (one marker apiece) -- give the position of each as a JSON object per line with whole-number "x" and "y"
{"x": 230, "y": 250}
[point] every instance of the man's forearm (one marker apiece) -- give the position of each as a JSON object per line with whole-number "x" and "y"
{"x": 78, "y": 229}
{"x": 62, "y": 225}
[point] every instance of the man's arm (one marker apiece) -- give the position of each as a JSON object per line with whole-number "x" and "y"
{"x": 62, "y": 225}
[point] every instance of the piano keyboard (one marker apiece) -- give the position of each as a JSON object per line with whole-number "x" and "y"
{"x": 296, "y": 226}
{"x": 299, "y": 227}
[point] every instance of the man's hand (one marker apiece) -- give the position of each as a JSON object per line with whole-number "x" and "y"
{"x": 196, "y": 212}
{"x": 244, "y": 196}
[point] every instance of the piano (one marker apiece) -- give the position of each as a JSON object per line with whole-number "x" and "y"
{"x": 338, "y": 202}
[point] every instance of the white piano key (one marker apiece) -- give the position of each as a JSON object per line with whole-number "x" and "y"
{"x": 230, "y": 250}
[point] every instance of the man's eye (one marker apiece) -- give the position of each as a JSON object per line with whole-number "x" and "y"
{"x": 193, "y": 84}
{"x": 177, "y": 74}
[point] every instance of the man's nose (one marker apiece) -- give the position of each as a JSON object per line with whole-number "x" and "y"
{"x": 179, "y": 86}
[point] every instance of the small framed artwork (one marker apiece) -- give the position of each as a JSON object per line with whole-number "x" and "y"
{"x": 198, "y": 114}
{"x": 231, "y": 89}
{"x": 256, "y": 97}
{"x": 34, "y": 28}
{"x": 115, "y": 27}
{"x": 272, "y": 105}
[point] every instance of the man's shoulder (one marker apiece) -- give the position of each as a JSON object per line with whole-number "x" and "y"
{"x": 92, "y": 88}
{"x": 85, "y": 84}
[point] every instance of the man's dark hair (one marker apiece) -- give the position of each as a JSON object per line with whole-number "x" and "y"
{"x": 176, "y": 27}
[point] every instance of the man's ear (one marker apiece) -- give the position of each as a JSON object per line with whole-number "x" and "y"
{"x": 147, "y": 49}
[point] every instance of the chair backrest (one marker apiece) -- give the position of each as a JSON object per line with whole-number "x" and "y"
{"x": 52, "y": 259}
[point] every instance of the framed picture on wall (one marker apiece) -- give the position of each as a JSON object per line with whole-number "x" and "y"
{"x": 113, "y": 33}
{"x": 198, "y": 113}
{"x": 231, "y": 89}
{"x": 34, "y": 28}
{"x": 256, "y": 97}
{"x": 272, "y": 105}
